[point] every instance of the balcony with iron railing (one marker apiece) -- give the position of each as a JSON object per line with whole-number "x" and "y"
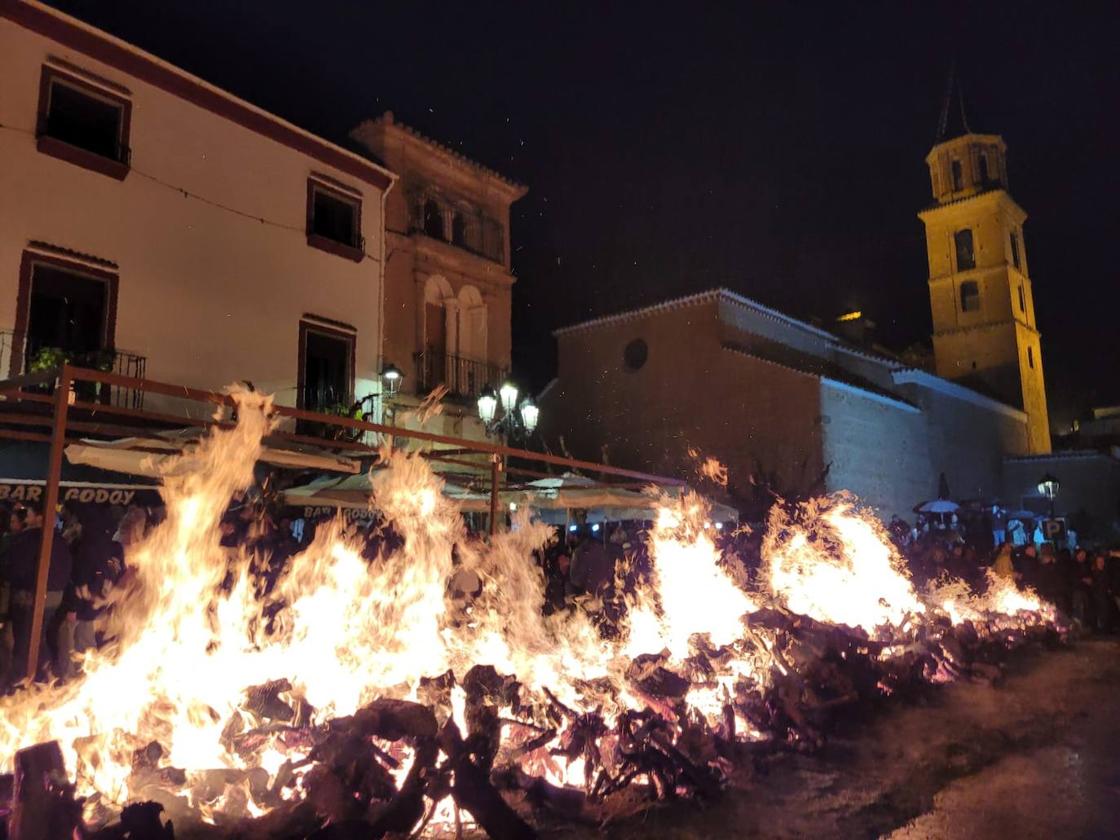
{"x": 463, "y": 377}
{"x": 21, "y": 354}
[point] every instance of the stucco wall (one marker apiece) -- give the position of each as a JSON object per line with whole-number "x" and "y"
{"x": 966, "y": 442}
{"x": 207, "y": 294}
{"x": 752, "y": 415}
{"x": 875, "y": 449}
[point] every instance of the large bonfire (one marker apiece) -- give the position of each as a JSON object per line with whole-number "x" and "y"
{"x": 360, "y": 693}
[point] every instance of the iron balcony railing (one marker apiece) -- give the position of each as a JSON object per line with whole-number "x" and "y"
{"x": 463, "y": 377}
{"x": 22, "y": 354}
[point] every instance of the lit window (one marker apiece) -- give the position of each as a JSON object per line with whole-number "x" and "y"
{"x": 958, "y": 176}
{"x": 83, "y": 123}
{"x": 970, "y": 296}
{"x": 966, "y": 258}
{"x": 1015, "y": 258}
{"x": 334, "y": 220}
{"x": 1022, "y": 299}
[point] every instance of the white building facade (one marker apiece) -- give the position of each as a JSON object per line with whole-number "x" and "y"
{"x": 153, "y": 224}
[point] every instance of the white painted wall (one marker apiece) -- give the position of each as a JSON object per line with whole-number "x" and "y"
{"x": 208, "y": 295}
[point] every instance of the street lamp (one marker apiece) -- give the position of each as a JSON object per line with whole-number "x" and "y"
{"x": 391, "y": 378}
{"x": 515, "y": 418}
{"x": 1048, "y": 486}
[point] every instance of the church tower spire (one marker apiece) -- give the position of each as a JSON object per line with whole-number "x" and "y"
{"x": 984, "y": 330}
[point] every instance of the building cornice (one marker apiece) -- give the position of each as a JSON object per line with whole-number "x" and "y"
{"x": 387, "y": 122}
{"x": 1067, "y": 455}
{"x": 454, "y": 259}
{"x": 132, "y": 61}
{"x": 989, "y": 325}
{"x": 914, "y": 376}
{"x": 997, "y": 195}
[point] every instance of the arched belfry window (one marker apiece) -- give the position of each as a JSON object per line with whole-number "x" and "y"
{"x": 958, "y": 175}
{"x": 459, "y": 230}
{"x": 433, "y": 219}
{"x": 984, "y": 176}
{"x": 970, "y": 296}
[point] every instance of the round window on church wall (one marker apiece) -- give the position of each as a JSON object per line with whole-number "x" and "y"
{"x": 635, "y": 354}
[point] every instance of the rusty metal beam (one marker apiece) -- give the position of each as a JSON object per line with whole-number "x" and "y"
{"x": 50, "y": 503}
{"x": 505, "y": 452}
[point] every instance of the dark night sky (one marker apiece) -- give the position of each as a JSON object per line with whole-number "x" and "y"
{"x": 671, "y": 148}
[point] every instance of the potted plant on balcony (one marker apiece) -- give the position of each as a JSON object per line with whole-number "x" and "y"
{"x": 48, "y": 358}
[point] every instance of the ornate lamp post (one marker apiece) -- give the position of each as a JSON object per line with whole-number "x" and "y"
{"x": 1048, "y": 486}
{"x": 501, "y": 411}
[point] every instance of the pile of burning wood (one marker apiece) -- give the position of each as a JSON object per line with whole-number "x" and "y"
{"x": 364, "y": 699}
{"x": 386, "y": 769}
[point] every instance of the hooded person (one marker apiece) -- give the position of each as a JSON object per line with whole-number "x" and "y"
{"x": 1002, "y": 565}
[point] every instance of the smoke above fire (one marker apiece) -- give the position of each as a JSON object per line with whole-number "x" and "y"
{"x": 195, "y": 645}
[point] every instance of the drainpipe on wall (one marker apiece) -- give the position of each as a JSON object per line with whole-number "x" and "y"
{"x": 383, "y": 263}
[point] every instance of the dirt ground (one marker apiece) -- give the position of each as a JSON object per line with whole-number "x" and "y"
{"x": 1035, "y": 755}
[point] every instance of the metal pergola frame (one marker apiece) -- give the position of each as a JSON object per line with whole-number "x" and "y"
{"x": 55, "y": 410}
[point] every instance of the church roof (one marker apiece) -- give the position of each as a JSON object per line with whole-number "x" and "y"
{"x": 953, "y": 121}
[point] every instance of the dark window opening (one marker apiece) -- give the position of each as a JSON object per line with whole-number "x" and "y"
{"x": 335, "y": 217}
{"x": 327, "y": 369}
{"x": 433, "y": 220}
{"x": 85, "y": 119}
{"x": 966, "y": 259}
{"x": 1015, "y": 258}
{"x": 458, "y": 230}
{"x": 1022, "y": 299}
{"x": 635, "y": 354}
{"x": 958, "y": 176}
{"x": 983, "y": 168}
{"x": 67, "y": 312}
{"x": 435, "y": 345}
{"x": 1030, "y": 356}
{"x": 970, "y": 296}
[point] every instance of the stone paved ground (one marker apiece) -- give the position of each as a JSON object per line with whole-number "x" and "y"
{"x": 1036, "y": 755}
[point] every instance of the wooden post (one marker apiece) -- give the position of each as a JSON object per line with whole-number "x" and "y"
{"x": 50, "y": 503}
{"x": 495, "y": 470}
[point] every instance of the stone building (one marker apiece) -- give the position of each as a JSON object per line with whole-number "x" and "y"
{"x": 448, "y": 281}
{"x": 804, "y": 411}
{"x": 154, "y": 224}
{"x": 778, "y": 401}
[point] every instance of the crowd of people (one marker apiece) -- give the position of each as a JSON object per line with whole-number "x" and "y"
{"x": 86, "y": 560}
{"x": 1083, "y": 582}
{"x": 588, "y": 566}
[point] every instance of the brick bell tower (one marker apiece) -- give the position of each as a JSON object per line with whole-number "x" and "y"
{"x": 984, "y": 330}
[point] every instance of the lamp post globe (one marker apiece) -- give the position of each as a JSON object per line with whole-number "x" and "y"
{"x": 530, "y": 414}
{"x": 508, "y": 393}
{"x": 487, "y": 405}
{"x": 391, "y": 378}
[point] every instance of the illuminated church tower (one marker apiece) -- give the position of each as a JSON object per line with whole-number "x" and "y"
{"x": 984, "y": 331}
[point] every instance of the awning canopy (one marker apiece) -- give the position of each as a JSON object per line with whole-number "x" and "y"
{"x": 23, "y": 471}
{"x": 154, "y": 457}
{"x": 552, "y": 499}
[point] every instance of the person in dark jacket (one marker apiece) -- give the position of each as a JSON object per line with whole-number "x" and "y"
{"x": 98, "y": 564}
{"x": 1048, "y": 579}
{"x": 1101, "y": 593}
{"x": 1081, "y": 582}
{"x": 22, "y": 570}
